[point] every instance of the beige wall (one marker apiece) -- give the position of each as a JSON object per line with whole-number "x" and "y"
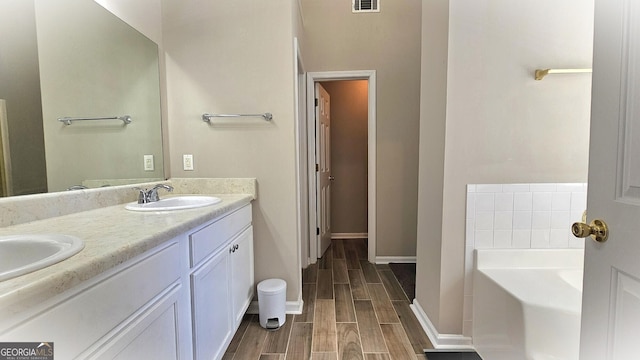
{"x": 388, "y": 42}
{"x": 298, "y": 24}
{"x": 20, "y": 87}
{"x": 502, "y": 126}
{"x": 349, "y": 110}
{"x": 236, "y": 56}
{"x": 433, "y": 102}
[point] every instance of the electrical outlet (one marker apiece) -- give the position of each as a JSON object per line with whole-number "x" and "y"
{"x": 148, "y": 162}
{"x": 187, "y": 162}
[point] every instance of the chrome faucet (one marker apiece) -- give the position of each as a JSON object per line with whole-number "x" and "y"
{"x": 153, "y": 193}
{"x": 147, "y": 196}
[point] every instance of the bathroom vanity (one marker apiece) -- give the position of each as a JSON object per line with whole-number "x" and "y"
{"x": 159, "y": 285}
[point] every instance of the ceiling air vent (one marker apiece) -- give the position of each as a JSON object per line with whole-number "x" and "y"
{"x": 360, "y": 6}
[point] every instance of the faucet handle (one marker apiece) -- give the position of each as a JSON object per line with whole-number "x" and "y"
{"x": 153, "y": 193}
{"x": 143, "y": 195}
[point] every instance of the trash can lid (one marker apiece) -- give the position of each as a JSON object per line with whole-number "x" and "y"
{"x": 272, "y": 286}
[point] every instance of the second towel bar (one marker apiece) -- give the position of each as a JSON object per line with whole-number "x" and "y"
{"x": 207, "y": 117}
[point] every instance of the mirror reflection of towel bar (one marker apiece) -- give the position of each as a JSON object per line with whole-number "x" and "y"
{"x": 207, "y": 117}
{"x": 126, "y": 119}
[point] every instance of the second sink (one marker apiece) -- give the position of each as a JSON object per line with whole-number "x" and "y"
{"x": 175, "y": 203}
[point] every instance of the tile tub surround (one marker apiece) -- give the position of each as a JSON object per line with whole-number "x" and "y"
{"x": 25, "y": 208}
{"x": 112, "y": 235}
{"x": 519, "y": 216}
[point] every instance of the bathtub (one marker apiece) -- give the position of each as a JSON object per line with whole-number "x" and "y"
{"x": 527, "y": 304}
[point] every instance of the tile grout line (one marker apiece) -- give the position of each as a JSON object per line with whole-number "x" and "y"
{"x": 315, "y": 308}
{"x": 286, "y": 348}
{"x": 264, "y": 341}
{"x": 394, "y": 310}
{"x": 356, "y": 316}
{"x": 241, "y": 338}
{"x": 376, "y": 313}
{"x": 398, "y": 315}
{"x": 335, "y": 326}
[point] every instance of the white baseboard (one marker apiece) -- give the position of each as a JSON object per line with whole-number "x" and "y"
{"x": 395, "y": 259}
{"x": 440, "y": 341}
{"x": 290, "y": 307}
{"x": 349, "y": 235}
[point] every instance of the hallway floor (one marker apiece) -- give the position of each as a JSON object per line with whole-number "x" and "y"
{"x": 352, "y": 310}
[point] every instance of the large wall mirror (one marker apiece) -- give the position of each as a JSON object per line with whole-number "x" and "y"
{"x": 73, "y": 58}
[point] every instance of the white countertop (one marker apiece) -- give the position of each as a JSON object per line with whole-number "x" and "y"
{"x": 112, "y": 235}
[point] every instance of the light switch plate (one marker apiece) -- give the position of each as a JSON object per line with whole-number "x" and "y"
{"x": 187, "y": 162}
{"x": 148, "y": 162}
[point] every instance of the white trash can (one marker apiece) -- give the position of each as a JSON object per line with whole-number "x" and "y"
{"x": 272, "y": 296}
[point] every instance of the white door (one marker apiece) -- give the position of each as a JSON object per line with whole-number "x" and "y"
{"x": 611, "y": 298}
{"x": 323, "y": 175}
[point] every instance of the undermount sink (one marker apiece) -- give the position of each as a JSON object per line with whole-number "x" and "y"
{"x": 21, "y": 254}
{"x": 175, "y": 203}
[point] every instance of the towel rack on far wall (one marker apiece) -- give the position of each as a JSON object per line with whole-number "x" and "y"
{"x": 207, "y": 117}
{"x": 541, "y": 73}
{"x": 126, "y": 119}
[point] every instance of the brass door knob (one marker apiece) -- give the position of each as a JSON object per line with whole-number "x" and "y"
{"x": 598, "y": 230}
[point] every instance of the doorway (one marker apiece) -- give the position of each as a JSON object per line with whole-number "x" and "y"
{"x": 348, "y": 158}
{"x": 319, "y": 77}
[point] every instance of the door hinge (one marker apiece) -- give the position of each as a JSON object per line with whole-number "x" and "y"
{"x": 316, "y": 102}
{"x": 317, "y": 168}
{"x": 317, "y": 231}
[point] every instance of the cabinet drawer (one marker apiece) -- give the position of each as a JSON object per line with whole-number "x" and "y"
{"x": 205, "y": 241}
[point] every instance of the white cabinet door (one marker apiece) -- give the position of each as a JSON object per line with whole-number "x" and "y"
{"x": 151, "y": 334}
{"x": 241, "y": 274}
{"x": 158, "y": 341}
{"x": 211, "y": 315}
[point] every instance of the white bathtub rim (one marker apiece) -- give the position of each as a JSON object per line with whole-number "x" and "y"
{"x": 529, "y": 258}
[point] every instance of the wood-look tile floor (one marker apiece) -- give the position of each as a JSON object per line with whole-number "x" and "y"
{"x": 352, "y": 310}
